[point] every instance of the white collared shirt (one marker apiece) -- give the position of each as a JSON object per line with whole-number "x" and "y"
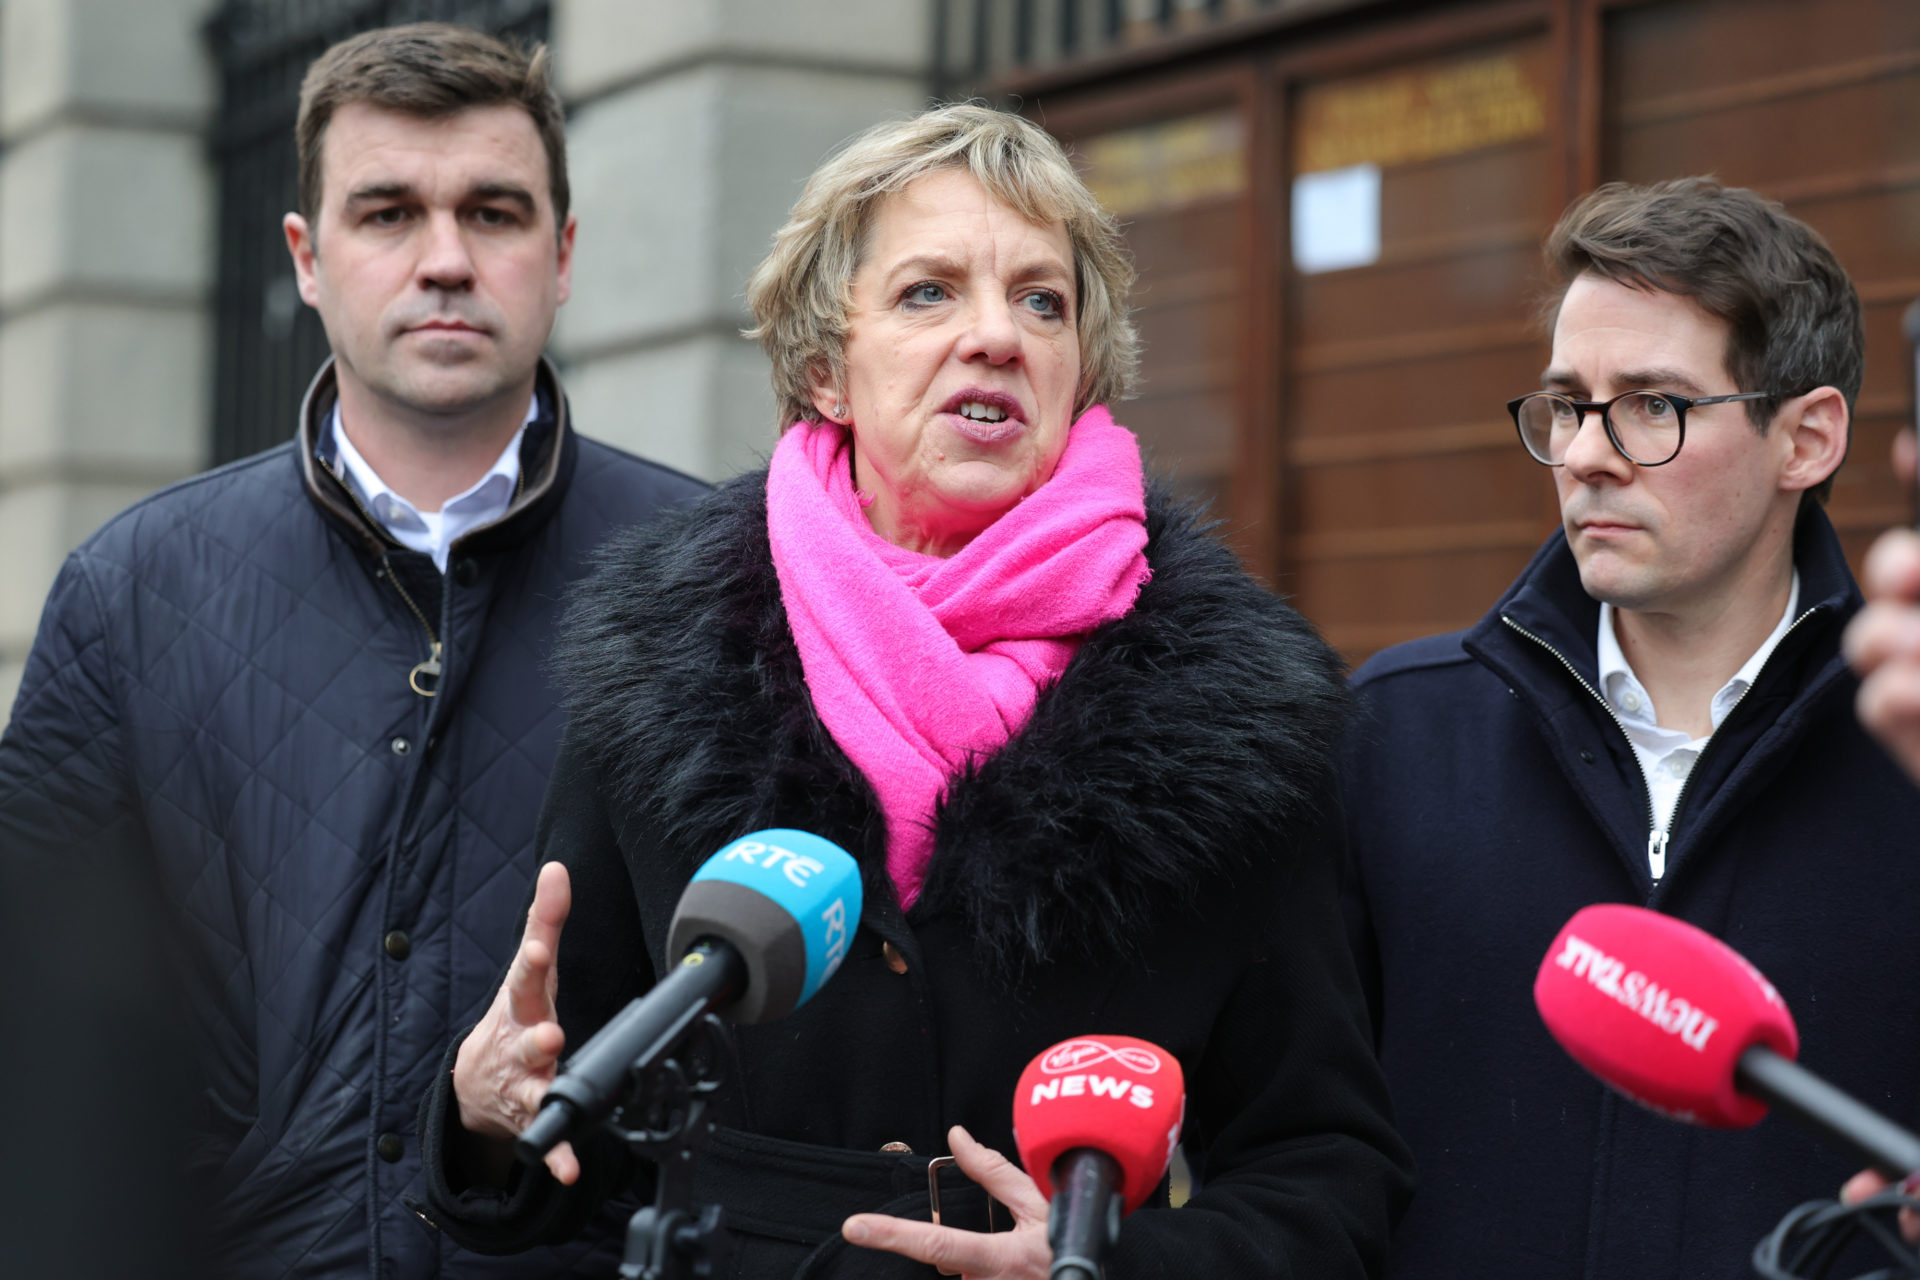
{"x": 433, "y": 532}
{"x": 1667, "y": 756}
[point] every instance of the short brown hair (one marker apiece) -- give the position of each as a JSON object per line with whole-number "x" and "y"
{"x": 1792, "y": 314}
{"x": 802, "y": 295}
{"x": 429, "y": 69}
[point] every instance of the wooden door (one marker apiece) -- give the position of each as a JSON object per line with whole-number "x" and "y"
{"x": 1170, "y": 161}
{"x": 1409, "y": 504}
{"x": 1345, "y": 410}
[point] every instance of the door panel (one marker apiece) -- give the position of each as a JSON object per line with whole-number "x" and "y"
{"x": 1411, "y": 502}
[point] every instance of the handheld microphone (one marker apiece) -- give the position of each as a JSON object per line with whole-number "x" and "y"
{"x": 1096, "y": 1120}
{"x": 1680, "y": 1023}
{"x": 762, "y": 925}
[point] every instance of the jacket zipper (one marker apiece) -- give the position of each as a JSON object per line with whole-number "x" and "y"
{"x": 1657, "y": 834}
{"x": 1680, "y": 800}
{"x": 424, "y": 677}
{"x": 1656, "y": 838}
{"x": 430, "y": 668}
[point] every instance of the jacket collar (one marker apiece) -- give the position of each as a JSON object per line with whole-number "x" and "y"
{"x": 547, "y": 457}
{"x": 1540, "y": 641}
{"x": 1548, "y": 603}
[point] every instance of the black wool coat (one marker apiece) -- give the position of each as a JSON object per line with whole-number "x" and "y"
{"x": 1155, "y": 854}
{"x": 1491, "y": 795}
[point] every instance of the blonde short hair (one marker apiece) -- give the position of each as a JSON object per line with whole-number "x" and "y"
{"x": 801, "y": 296}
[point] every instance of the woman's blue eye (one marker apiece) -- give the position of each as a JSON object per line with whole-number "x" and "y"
{"x": 1045, "y": 303}
{"x": 926, "y": 294}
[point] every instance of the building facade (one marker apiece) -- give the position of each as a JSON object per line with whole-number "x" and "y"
{"x": 149, "y": 324}
{"x": 1336, "y": 207}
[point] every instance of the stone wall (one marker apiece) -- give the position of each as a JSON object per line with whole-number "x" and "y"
{"x": 106, "y": 271}
{"x": 696, "y": 124}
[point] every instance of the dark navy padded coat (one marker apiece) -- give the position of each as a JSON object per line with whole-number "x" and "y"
{"x": 1490, "y": 795}
{"x": 223, "y": 686}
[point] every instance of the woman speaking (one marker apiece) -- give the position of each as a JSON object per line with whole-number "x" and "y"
{"x": 1081, "y": 757}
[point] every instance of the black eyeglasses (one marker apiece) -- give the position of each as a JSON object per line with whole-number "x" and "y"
{"x": 1647, "y": 428}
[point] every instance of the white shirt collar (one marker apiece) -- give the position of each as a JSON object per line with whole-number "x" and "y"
{"x": 433, "y": 532}
{"x": 1629, "y": 699}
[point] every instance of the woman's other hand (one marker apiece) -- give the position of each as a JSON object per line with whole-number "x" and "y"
{"x": 509, "y": 1059}
{"x": 1019, "y": 1254}
{"x": 1883, "y": 640}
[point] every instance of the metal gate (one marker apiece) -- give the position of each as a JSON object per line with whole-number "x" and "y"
{"x": 267, "y": 342}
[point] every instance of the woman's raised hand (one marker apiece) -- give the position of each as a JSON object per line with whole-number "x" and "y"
{"x": 509, "y": 1059}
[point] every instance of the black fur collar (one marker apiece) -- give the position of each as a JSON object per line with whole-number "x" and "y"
{"x": 1182, "y": 740}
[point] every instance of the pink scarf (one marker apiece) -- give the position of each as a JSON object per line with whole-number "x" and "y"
{"x": 920, "y": 666}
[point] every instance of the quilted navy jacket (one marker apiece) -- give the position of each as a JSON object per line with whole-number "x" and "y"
{"x": 1491, "y": 794}
{"x": 224, "y": 686}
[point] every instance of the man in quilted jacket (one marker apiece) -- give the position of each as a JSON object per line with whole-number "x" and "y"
{"x": 307, "y": 692}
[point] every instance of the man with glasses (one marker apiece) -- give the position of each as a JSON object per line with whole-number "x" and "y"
{"x": 1656, "y": 712}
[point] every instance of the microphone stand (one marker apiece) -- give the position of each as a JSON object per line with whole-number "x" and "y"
{"x": 665, "y": 1120}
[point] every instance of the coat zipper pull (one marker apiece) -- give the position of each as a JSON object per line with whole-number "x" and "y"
{"x": 1657, "y": 852}
{"x": 425, "y": 676}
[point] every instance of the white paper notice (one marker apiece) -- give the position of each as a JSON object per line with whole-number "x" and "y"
{"x": 1336, "y": 219}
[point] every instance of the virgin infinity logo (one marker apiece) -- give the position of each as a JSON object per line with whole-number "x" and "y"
{"x": 1078, "y": 1055}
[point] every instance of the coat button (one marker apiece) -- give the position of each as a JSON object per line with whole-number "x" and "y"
{"x": 399, "y": 945}
{"x": 897, "y": 1149}
{"x": 895, "y": 961}
{"x": 401, "y": 746}
{"x": 389, "y": 1147}
{"x": 466, "y": 572}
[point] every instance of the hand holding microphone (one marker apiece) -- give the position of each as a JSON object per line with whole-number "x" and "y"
{"x": 763, "y": 924}
{"x": 1019, "y": 1254}
{"x": 1096, "y": 1119}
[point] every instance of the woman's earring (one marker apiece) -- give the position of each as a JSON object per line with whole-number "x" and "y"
{"x": 839, "y": 411}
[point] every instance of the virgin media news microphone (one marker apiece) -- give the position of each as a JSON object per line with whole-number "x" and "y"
{"x": 1679, "y": 1022}
{"x": 1096, "y": 1120}
{"x": 763, "y": 924}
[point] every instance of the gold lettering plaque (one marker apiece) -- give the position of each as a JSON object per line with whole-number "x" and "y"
{"x": 1421, "y": 113}
{"x": 1167, "y": 165}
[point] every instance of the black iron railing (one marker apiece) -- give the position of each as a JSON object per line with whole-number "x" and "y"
{"x": 982, "y": 44}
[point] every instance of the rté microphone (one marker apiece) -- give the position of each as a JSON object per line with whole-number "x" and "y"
{"x": 762, "y": 925}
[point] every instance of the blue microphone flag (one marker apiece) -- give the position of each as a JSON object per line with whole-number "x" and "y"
{"x": 789, "y": 900}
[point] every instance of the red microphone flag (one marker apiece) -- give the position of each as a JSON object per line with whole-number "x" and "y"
{"x": 1116, "y": 1094}
{"x": 1661, "y": 1011}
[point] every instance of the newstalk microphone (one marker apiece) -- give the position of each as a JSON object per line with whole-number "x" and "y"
{"x": 1096, "y": 1120}
{"x": 763, "y": 924}
{"x": 1679, "y": 1022}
